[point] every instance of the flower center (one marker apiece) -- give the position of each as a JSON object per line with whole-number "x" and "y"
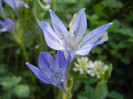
{"x": 74, "y": 44}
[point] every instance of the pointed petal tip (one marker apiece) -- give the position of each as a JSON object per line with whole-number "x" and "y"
{"x": 42, "y": 24}
{"x": 83, "y": 9}
{"x": 110, "y": 23}
{"x": 50, "y": 11}
{"x": 43, "y": 52}
{"x": 26, "y": 63}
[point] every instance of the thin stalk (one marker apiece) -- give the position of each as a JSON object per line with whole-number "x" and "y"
{"x": 81, "y": 4}
{"x": 2, "y": 12}
{"x": 66, "y": 83}
{"x": 24, "y": 52}
{"x": 68, "y": 86}
{"x": 53, "y": 5}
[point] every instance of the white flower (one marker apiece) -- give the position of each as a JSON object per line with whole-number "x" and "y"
{"x": 98, "y": 68}
{"x": 83, "y": 65}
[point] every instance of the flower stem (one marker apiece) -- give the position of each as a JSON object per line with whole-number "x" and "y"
{"x": 53, "y": 5}
{"x": 64, "y": 95}
{"x": 69, "y": 84}
{"x": 66, "y": 83}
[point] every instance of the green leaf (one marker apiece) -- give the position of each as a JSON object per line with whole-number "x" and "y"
{"x": 115, "y": 95}
{"x": 90, "y": 91}
{"x": 106, "y": 75}
{"x": 113, "y": 3}
{"x": 9, "y": 82}
{"x": 22, "y": 91}
{"x": 101, "y": 92}
{"x": 68, "y": 1}
{"x": 76, "y": 85}
{"x": 85, "y": 95}
{"x": 108, "y": 72}
{"x": 127, "y": 32}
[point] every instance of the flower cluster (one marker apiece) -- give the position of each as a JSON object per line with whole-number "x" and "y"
{"x": 83, "y": 66}
{"x": 86, "y": 66}
{"x": 98, "y": 68}
{"x": 69, "y": 44}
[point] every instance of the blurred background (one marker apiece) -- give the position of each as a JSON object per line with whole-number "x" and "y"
{"x": 27, "y": 41}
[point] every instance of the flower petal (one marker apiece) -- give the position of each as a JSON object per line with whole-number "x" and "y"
{"x": 84, "y": 51}
{"x": 25, "y": 5}
{"x": 79, "y": 25}
{"x": 66, "y": 65}
{"x": 14, "y": 4}
{"x": 100, "y": 42}
{"x": 60, "y": 59}
{"x": 70, "y": 53}
{"x": 2, "y": 23}
{"x": 62, "y": 86}
{"x": 58, "y": 26}
{"x": 52, "y": 40}
{"x": 11, "y": 24}
{"x": 94, "y": 35}
{"x": 47, "y": 63}
{"x": 4, "y": 29}
{"x": 40, "y": 75}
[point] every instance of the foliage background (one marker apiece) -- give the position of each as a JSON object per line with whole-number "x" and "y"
{"x": 17, "y": 81}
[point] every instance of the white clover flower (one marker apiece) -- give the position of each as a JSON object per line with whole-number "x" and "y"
{"x": 98, "y": 68}
{"x": 83, "y": 65}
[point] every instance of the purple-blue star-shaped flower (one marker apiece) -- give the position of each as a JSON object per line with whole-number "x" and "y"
{"x": 15, "y": 4}
{"x": 75, "y": 41}
{"x": 7, "y": 25}
{"x": 51, "y": 71}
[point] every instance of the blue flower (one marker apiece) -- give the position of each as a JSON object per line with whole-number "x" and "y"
{"x": 75, "y": 41}
{"x": 51, "y": 71}
{"x": 7, "y": 25}
{"x": 15, "y": 4}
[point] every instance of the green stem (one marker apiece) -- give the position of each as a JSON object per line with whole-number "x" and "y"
{"x": 81, "y": 4}
{"x": 53, "y": 5}
{"x": 24, "y": 52}
{"x": 2, "y": 12}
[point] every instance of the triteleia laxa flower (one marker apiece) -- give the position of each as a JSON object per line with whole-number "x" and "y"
{"x": 7, "y": 25}
{"x": 51, "y": 71}
{"x": 75, "y": 41}
{"x": 15, "y": 4}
